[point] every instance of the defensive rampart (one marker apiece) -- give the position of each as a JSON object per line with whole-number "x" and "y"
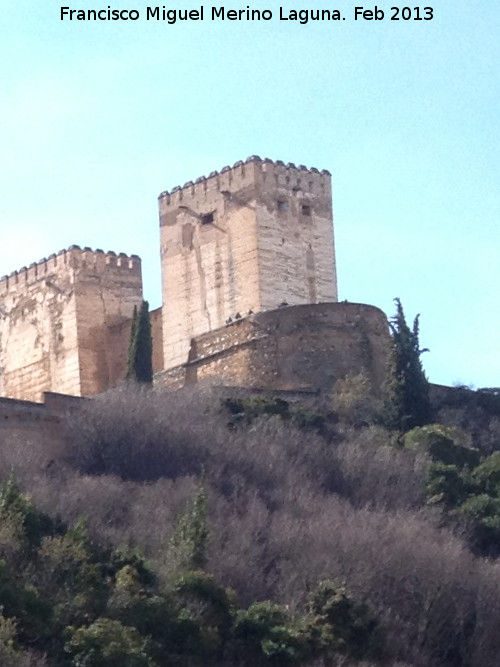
{"x": 292, "y": 348}
{"x": 23, "y": 423}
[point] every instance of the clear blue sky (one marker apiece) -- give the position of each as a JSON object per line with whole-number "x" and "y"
{"x": 98, "y": 118}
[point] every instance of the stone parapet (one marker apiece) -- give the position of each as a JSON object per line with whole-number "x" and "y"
{"x": 241, "y": 174}
{"x": 72, "y": 258}
{"x": 295, "y": 348}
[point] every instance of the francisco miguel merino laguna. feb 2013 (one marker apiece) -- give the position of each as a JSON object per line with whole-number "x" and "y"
{"x": 171, "y": 16}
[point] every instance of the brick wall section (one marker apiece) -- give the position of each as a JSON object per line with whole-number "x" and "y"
{"x": 245, "y": 239}
{"x": 305, "y": 347}
{"x": 24, "y": 421}
{"x": 60, "y": 323}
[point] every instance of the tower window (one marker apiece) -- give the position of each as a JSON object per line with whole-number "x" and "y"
{"x": 306, "y": 209}
{"x": 207, "y": 218}
{"x": 282, "y": 205}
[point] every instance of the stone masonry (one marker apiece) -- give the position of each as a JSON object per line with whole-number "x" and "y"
{"x": 247, "y": 239}
{"x": 65, "y": 323}
{"x": 294, "y": 348}
{"x": 249, "y": 298}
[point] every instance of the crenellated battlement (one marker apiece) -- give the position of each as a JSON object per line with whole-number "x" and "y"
{"x": 103, "y": 261}
{"x": 244, "y": 173}
{"x": 249, "y": 238}
{"x": 74, "y": 258}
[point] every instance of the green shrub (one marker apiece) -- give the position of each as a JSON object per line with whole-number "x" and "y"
{"x": 440, "y": 442}
{"x": 10, "y": 655}
{"x": 264, "y": 635}
{"x": 208, "y": 604}
{"x": 251, "y": 407}
{"x": 406, "y": 390}
{"x": 483, "y": 515}
{"x": 340, "y": 625}
{"x": 70, "y": 575}
{"x": 188, "y": 544}
{"x": 446, "y": 485}
{"x": 140, "y": 353}
{"x": 17, "y": 513}
{"x": 107, "y": 643}
{"x": 487, "y": 475}
{"x": 136, "y": 604}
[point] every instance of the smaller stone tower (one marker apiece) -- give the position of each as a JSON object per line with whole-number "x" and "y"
{"x": 65, "y": 323}
{"x": 246, "y": 239}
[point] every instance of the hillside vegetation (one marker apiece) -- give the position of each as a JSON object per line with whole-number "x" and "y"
{"x": 188, "y": 529}
{"x": 201, "y": 528}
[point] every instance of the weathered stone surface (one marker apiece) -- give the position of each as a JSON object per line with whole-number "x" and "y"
{"x": 247, "y": 239}
{"x": 249, "y": 297}
{"x": 305, "y": 347}
{"x": 65, "y": 323}
{"x": 27, "y": 423}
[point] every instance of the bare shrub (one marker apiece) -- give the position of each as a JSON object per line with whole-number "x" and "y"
{"x": 354, "y": 401}
{"x": 104, "y": 501}
{"x": 489, "y": 438}
{"x": 27, "y": 454}
{"x": 374, "y": 471}
{"x": 423, "y": 582}
{"x": 141, "y": 434}
{"x": 270, "y": 458}
{"x": 238, "y": 553}
{"x": 154, "y": 513}
{"x": 286, "y": 508}
{"x": 117, "y": 512}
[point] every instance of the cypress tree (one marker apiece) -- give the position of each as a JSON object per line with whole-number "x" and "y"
{"x": 407, "y": 389}
{"x": 189, "y": 540}
{"x": 140, "y": 353}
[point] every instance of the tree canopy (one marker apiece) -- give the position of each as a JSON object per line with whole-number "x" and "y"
{"x": 408, "y": 403}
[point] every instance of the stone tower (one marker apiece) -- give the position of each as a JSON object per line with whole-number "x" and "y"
{"x": 248, "y": 238}
{"x": 65, "y": 323}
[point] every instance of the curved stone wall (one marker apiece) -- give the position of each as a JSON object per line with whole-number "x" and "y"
{"x": 295, "y": 347}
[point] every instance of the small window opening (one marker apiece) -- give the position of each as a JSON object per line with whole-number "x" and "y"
{"x": 306, "y": 209}
{"x": 282, "y": 205}
{"x": 207, "y": 218}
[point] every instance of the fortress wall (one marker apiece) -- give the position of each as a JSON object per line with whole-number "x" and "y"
{"x": 38, "y": 337}
{"x": 305, "y": 347}
{"x": 26, "y": 423}
{"x": 260, "y": 249}
{"x": 107, "y": 287}
{"x": 173, "y": 378}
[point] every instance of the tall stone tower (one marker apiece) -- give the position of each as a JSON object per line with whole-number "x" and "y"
{"x": 65, "y": 323}
{"x": 248, "y": 238}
